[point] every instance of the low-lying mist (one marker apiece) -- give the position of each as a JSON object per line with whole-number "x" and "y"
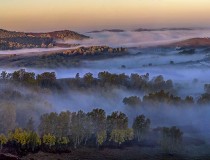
{"x": 137, "y": 39}
{"x": 189, "y": 73}
{"x": 193, "y": 120}
{"x": 30, "y": 51}
{"x": 196, "y": 117}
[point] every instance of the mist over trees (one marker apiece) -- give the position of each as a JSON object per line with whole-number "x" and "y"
{"x": 23, "y": 93}
{"x": 66, "y": 130}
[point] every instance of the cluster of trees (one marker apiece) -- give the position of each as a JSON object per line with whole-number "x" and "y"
{"x": 61, "y": 132}
{"x": 25, "y": 42}
{"x": 104, "y": 80}
{"x": 171, "y": 136}
{"x": 87, "y": 128}
{"x": 165, "y": 98}
{"x": 132, "y": 101}
{"x": 160, "y": 91}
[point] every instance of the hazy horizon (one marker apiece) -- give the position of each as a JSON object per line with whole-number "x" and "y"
{"x": 84, "y": 16}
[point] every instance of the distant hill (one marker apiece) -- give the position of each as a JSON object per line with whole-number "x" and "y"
{"x": 11, "y": 34}
{"x": 10, "y": 40}
{"x": 162, "y": 29}
{"x": 193, "y": 42}
{"x": 63, "y": 34}
{"x": 143, "y": 30}
{"x": 107, "y": 30}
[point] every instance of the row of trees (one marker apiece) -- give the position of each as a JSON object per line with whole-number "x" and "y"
{"x": 93, "y": 129}
{"x": 159, "y": 89}
{"x": 165, "y": 98}
{"x": 13, "y": 43}
{"x": 104, "y": 80}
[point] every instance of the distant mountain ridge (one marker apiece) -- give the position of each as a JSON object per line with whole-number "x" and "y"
{"x": 163, "y": 29}
{"x": 10, "y": 40}
{"x": 63, "y": 34}
{"x": 11, "y": 34}
{"x": 107, "y": 30}
{"x": 142, "y": 30}
{"x": 193, "y": 42}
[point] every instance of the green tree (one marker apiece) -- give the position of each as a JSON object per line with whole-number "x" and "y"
{"x": 3, "y": 140}
{"x": 132, "y": 101}
{"x": 101, "y": 137}
{"x": 141, "y": 126}
{"x": 88, "y": 79}
{"x": 49, "y": 124}
{"x": 46, "y": 79}
{"x": 49, "y": 140}
{"x": 171, "y": 139}
{"x": 189, "y": 100}
{"x": 77, "y": 127}
{"x": 98, "y": 118}
{"x": 98, "y": 122}
{"x": 63, "y": 140}
{"x": 129, "y": 134}
{"x": 121, "y": 135}
{"x": 63, "y": 124}
{"x": 117, "y": 120}
{"x": 20, "y": 137}
{"x": 33, "y": 140}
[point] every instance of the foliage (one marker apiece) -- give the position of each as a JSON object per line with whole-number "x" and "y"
{"x": 141, "y": 126}
{"x": 49, "y": 140}
{"x": 77, "y": 127}
{"x": 117, "y": 120}
{"x": 63, "y": 140}
{"x": 121, "y": 135}
{"x": 161, "y": 97}
{"x": 171, "y": 139}
{"x": 132, "y": 101}
{"x": 33, "y": 140}
{"x": 101, "y": 137}
{"x": 7, "y": 124}
{"x": 25, "y": 139}
{"x": 3, "y": 140}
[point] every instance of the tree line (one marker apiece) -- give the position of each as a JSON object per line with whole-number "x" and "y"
{"x": 162, "y": 97}
{"x": 104, "y": 80}
{"x": 159, "y": 91}
{"x": 67, "y": 130}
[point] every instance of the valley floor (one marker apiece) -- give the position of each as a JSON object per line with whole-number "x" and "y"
{"x": 129, "y": 153}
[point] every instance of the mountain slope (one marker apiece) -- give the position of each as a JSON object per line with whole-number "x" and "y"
{"x": 193, "y": 42}
{"x": 10, "y": 40}
{"x": 60, "y": 35}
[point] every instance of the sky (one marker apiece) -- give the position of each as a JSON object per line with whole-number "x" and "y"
{"x": 87, "y": 15}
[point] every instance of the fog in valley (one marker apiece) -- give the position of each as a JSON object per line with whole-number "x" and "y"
{"x": 189, "y": 73}
{"x": 141, "y": 38}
